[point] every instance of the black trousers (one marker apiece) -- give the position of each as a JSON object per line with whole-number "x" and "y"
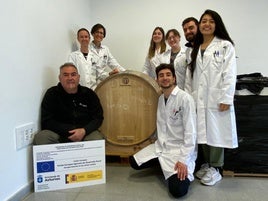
{"x": 176, "y": 187}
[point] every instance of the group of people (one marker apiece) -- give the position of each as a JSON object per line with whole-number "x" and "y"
{"x": 71, "y": 111}
{"x": 198, "y": 109}
{"x": 158, "y": 53}
{"x": 195, "y": 108}
{"x": 93, "y": 58}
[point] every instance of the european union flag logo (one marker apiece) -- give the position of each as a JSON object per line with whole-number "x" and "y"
{"x": 46, "y": 166}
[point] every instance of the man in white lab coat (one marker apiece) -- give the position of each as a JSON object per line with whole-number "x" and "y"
{"x": 190, "y": 27}
{"x": 86, "y": 62}
{"x": 175, "y": 147}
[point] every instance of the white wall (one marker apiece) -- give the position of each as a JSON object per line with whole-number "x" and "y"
{"x": 130, "y": 24}
{"x": 37, "y": 36}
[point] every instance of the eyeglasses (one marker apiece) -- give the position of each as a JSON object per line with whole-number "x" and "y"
{"x": 99, "y": 32}
{"x": 171, "y": 37}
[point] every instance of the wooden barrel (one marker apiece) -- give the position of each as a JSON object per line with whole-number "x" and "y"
{"x": 129, "y": 100}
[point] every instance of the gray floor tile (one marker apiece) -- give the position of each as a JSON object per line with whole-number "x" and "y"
{"x": 51, "y": 196}
{"x": 126, "y": 184}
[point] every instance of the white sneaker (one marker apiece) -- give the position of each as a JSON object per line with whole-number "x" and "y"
{"x": 211, "y": 177}
{"x": 203, "y": 170}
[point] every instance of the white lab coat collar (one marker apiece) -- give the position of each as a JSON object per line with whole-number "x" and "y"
{"x": 175, "y": 91}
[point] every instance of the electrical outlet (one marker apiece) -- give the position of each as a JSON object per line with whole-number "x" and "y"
{"x": 24, "y": 135}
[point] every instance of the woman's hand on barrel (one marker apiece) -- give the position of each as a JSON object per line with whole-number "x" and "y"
{"x": 114, "y": 71}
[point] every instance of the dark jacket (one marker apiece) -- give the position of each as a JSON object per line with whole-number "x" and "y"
{"x": 62, "y": 112}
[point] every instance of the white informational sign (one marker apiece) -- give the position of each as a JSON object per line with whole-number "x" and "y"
{"x": 69, "y": 165}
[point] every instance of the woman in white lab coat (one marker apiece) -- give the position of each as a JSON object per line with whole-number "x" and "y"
{"x": 157, "y": 47}
{"x": 211, "y": 80}
{"x": 175, "y": 55}
{"x": 85, "y": 62}
{"x": 102, "y": 53}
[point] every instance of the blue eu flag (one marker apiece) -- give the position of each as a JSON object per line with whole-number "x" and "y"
{"x": 46, "y": 166}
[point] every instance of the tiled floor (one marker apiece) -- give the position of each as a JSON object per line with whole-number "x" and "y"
{"x": 126, "y": 184}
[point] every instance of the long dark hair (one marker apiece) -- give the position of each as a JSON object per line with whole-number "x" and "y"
{"x": 220, "y": 32}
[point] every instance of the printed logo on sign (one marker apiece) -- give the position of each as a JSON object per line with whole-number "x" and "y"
{"x": 83, "y": 176}
{"x": 39, "y": 179}
{"x": 46, "y": 166}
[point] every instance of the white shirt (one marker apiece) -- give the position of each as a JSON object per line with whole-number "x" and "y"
{"x": 150, "y": 64}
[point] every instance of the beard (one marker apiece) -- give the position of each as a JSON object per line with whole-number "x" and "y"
{"x": 190, "y": 38}
{"x": 166, "y": 86}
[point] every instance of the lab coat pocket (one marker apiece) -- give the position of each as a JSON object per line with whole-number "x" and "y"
{"x": 222, "y": 125}
{"x": 104, "y": 60}
{"x": 175, "y": 119}
{"x": 218, "y": 61}
{"x": 214, "y": 95}
{"x": 218, "y": 57}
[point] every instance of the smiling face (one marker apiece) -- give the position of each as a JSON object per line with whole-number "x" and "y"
{"x": 157, "y": 36}
{"x": 69, "y": 79}
{"x": 190, "y": 30}
{"x": 207, "y": 25}
{"x": 166, "y": 79}
{"x": 173, "y": 40}
{"x": 98, "y": 35}
{"x": 83, "y": 38}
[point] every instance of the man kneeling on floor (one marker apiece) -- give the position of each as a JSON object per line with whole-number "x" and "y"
{"x": 175, "y": 148}
{"x": 69, "y": 112}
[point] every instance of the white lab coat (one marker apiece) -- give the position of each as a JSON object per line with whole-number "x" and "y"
{"x": 213, "y": 83}
{"x": 151, "y": 64}
{"x": 105, "y": 58}
{"x": 90, "y": 75}
{"x": 176, "y": 134}
{"x": 180, "y": 65}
